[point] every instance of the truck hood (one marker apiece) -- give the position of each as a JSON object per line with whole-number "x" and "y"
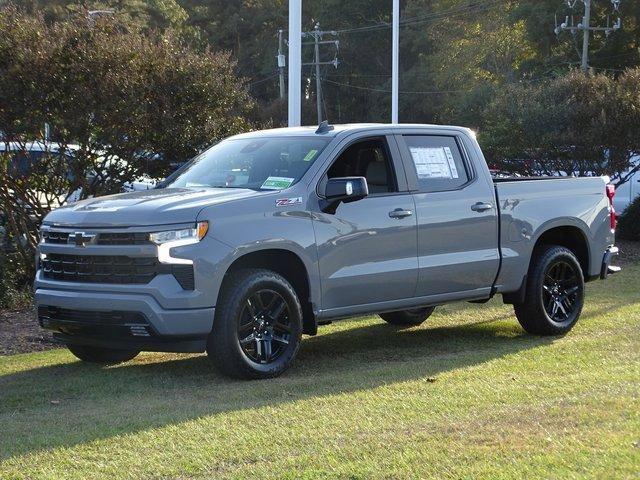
{"x": 146, "y": 207}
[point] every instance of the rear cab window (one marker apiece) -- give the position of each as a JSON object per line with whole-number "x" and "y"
{"x": 436, "y": 161}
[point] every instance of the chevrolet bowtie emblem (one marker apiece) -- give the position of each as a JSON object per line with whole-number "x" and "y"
{"x": 80, "y": 239}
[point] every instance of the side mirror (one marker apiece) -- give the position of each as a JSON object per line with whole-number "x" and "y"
{"x": 343, "y": 189}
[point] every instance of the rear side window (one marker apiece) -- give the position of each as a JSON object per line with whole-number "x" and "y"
{"x": 437, "y": 161}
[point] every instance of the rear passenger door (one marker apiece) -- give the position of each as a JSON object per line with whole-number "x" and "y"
{"x": 457, "y": 217}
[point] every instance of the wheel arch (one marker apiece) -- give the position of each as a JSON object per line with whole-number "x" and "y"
{"x": 291, "y": 266}
{"x": 570, "y": 236}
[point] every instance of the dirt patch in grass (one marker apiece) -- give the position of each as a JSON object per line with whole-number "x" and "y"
{"x": 20, "y": 333}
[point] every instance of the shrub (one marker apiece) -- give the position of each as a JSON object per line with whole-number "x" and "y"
{"x": 575, "y": 123}
{"x": 629, "y": 222}
{"x": 117, "y": 94}
{"x": 15, "y": 281}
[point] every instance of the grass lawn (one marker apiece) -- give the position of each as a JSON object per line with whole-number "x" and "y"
{"x": 466, "y": 395}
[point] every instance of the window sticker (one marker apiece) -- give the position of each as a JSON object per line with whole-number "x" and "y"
{"x": 434, "y": 162}
{"x": 310, "y": 155}
{"x": 277, "y": 183}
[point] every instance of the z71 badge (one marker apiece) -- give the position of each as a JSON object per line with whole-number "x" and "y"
{"x": 286, "y": 202}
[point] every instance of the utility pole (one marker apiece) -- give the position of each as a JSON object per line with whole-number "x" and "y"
{"x": 317, "y": 35}
{"x": 586, "y": 22}
{"x": 586, "y": 28}
{"x": 281, "y": 63}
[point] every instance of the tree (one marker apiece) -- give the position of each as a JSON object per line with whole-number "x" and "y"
{"x": 120, "y": 97}
{"x": 575, "y": 124}
{"x": 453, "y": 52}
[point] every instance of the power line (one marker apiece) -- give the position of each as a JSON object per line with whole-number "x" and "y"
{"x": 382, "y": 90}
{"x": 472, "y": 7}
{"x": 257, "y": 82}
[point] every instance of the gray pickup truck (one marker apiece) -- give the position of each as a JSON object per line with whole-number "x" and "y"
{"x": 269, "y": 234}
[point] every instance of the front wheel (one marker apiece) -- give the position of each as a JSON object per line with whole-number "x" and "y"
{"x": 257, "y": 327}
{"x": 105, "y": 356}
{"x": 408, "y": 317}
{"x": 555, "y": 292}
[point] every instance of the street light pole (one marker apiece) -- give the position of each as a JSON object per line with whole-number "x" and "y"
{"x": 395, "y": 46}
{"x": 295, "y": 62}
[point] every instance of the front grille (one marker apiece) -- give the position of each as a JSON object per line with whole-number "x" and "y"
{"x": 102, "y": 317}
{"x": 99, "y": 268}
{"x": 55, "y": 237}
{"x": 94, "y": 323}
{"x": 138, "y": 238}
{"x": 104, "y": 238}
{"x": 114, "y": 269}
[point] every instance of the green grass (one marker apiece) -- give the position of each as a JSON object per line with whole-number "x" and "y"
{"x": 466, "y": 395}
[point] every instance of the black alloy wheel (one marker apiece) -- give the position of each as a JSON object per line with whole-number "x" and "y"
{"x": 263, "y": 330}
{"x": 560, "y": 291}
{"x": 257, "y": 327}
{"x": 555, "y": 292}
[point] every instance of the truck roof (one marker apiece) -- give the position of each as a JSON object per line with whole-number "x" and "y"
{"x": 337, "y": 129}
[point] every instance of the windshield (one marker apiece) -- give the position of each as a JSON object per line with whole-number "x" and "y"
{"x": 257, "y": 163}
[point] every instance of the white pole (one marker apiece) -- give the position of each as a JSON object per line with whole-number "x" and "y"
{"x": 395, "y": 46}
{"x": 295, "y": 61}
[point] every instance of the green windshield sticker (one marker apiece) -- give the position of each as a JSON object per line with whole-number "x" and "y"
{"x": 310, "y": 155}
{"x": 277, "y": 183}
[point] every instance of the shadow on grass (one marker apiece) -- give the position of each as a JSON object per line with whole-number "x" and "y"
{"x": 156, "y": 390}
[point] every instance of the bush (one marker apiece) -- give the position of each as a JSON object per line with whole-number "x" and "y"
{"x": 575, "y": 123}
{"x": 629, "y": 222}
{"x": 117, "y": 94}
{"x": 15, "y": 282}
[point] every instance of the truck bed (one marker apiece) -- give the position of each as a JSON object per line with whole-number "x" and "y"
{"x": 530, "y": 205}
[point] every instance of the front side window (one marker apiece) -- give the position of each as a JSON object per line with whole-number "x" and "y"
{"x": 370, "y": 159}
{"x": 437, "y": 161}
{"x": 257, "y": 163}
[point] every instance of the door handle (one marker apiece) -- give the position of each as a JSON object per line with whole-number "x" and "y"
{"x": 400, "y": 213}
{"x": 481, "y": 207}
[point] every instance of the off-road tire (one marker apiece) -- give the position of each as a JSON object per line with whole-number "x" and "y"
{"x": 532, "y": 314}
{"x": 408, "y": 317}
{"x": 104, "y": 356}
{"x": 224, "y": 343}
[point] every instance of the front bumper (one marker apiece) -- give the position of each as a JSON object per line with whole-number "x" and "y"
{"x": 606, "y": 268}
{"x": 121, "y": 320}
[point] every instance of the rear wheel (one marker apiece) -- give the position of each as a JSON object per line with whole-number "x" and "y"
{"x": 555, "y": 292}
{"x": 415, "y": 316}
{"x": 258, "y": 325}
{"x": 106, "y": 356}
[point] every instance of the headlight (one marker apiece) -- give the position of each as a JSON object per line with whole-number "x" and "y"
{"x": 177, "y": 238}
{"x": 195, "y": 234}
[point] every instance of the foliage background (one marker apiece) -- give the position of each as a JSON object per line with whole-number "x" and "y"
{"x": 166, "y": 78}
{"x": 458, "y": 50}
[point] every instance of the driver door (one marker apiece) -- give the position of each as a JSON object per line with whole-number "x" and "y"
{"x": 367, "y": 249}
